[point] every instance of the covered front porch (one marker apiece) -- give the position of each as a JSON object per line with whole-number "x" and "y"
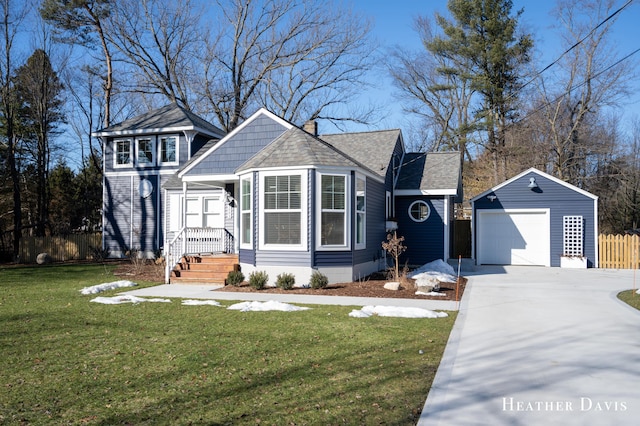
{"x": 200, "y": 222}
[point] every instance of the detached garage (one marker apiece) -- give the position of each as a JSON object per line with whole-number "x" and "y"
{"x": 534, "y": 219}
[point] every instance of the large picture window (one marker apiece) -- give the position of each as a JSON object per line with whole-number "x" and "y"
{"x": 245, "y": 213}
{"x": 282, "y": 209}
{"x": 333, "y": 212}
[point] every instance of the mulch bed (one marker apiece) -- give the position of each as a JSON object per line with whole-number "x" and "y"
{"x": 365, "y": 288}
{"x": 372, "y": 286}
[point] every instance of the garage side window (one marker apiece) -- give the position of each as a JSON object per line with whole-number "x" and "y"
{"x": 419, "y": 211}
{"x": 573, "y": 232}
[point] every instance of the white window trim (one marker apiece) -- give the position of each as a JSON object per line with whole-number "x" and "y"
{"x": 248, "y": 245}
{"x": 154, "y": 151}
{"x": 115, "y": 153}
{"x": 159, "y": 149}
{"x": 362, "y": 245}
{"x": 413, "y": 204}
{"x": 347, "y": 213}
{"x": 303, "y": 212}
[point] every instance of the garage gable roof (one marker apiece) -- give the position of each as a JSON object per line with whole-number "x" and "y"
{"x": 540, "y": 173}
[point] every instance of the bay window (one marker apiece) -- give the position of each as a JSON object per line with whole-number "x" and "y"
{"x": 361, "y": 212}
{"x": 283, "y": 209}
{"x": 245, "y": 213}
{"x": 333, "y": 210}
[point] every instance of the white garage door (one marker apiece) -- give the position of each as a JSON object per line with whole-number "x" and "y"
{"x": 513, "y": 237}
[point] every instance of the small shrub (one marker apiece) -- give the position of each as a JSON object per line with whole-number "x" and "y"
{"x": 138, "y": 260}
{"x": 285, "y": 281}
{"x": 258, "y": 279}
{"x": 99, "y": 254}
{"x": 234, "y": 278}
{"x": 395, "y": 247}
{"x": 318, "y": 280}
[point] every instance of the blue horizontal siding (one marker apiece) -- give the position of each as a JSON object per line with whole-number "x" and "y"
{"x": 333, "y": 258}
{"x": 376, "y": 223}
{"x": 282, "y": 258}
{"x": 247, "y": 257}
{"x": 424, "y": 240}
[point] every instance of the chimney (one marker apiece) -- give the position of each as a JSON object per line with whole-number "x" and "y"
{"x": 311, "y": 126}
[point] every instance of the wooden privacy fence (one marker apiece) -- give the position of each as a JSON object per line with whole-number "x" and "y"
{"x": 619, "y": 251}
{"x": 70, "y": 247}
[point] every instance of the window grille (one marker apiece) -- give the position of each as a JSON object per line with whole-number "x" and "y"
{"x": 573, "y": 235}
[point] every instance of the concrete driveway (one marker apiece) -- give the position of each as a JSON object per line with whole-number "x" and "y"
{"x": 540, "y": 346}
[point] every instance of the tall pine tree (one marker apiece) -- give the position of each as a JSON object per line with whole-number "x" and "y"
{"x": 40, "y": 112}
{"x": 483, "y": 43}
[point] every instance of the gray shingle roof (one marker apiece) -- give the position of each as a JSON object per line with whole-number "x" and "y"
{"x": 170, "y": 116}
{"x": 296, "y": 147}
{"x": 373, "y": 149}
{"x": 430, "y": 171}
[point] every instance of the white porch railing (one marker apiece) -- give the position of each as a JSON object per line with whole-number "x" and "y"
{"x": 196, "y": 241}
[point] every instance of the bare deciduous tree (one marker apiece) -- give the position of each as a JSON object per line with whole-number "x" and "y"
{"x": 433, "y": 91}
{"x": 159, "y": 43}
{"x": 299, "y": 58}
{"x": 11, "y": 19}
{"x": 83, "y": 22}
{"x": 586, "y": 82}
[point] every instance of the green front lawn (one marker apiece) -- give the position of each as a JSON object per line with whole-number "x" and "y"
{"x": 630, "y": 297}
{"x": 66, "y": 360}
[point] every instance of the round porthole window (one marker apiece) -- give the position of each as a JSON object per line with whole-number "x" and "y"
{"x": 419, "y": 211}
{"x": 145, "y": 188}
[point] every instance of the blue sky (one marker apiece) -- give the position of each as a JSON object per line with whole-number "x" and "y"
{"x": 393, "y": 25}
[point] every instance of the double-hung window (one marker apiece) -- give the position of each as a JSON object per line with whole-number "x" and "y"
{"x": 169, "y": 150}
{"x": 145, "y": 152}
{"x": 361, "y": 212}
{"x": 333, "y": 210}
{"x": 284, "y": 217}
{"x": 245, "y": 213}
{"x": 122, "y": 152}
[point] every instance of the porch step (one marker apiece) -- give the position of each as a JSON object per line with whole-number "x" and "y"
{"x": 204, "y": 269}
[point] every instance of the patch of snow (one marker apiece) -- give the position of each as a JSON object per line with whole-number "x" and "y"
{"x": 638, "y": 291}
{"x": 396, "y": 311}
{"x": 433, "y": 273}
{"x": 99, "y": 288}
{"x": 429, "y": 293}
{"x": 265, "y": 306}
{"x": 116, "y": 300}
{"x": 192, "y": 302}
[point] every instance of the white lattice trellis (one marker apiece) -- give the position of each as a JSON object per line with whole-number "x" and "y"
{"x": 572, "y": 235}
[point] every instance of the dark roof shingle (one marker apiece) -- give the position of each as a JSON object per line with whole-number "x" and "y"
{"x": 170, "y": 116}
{"x": 430, "y": 171}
